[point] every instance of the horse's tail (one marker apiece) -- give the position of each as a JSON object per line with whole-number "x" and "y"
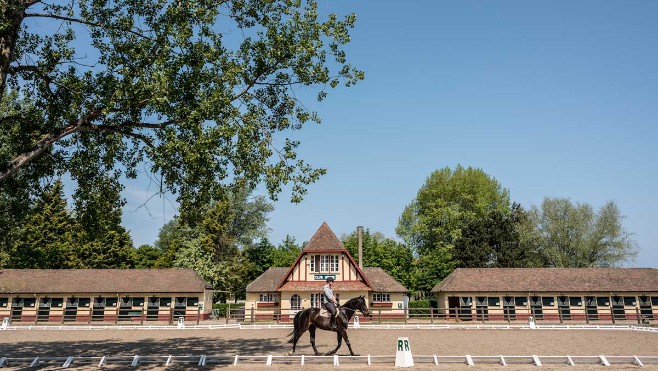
{"x": 297, "y": 327}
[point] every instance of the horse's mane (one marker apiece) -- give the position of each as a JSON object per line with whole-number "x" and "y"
{"x": 353, "y": 300}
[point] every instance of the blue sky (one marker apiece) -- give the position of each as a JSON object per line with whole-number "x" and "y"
{"x": 553, "y": 99}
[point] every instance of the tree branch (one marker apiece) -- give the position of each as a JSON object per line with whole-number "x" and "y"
{"x": 88, "y": 23}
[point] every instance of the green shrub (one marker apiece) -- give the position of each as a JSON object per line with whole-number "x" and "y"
{"x": 419, "y": 304}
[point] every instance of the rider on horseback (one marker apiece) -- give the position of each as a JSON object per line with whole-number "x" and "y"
{"x": 330, "y": 301}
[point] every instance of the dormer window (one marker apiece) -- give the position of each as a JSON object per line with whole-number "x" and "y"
{"x": 323, "y": 263}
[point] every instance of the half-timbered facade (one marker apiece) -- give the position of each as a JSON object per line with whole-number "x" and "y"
{"x": 288, "y": 290}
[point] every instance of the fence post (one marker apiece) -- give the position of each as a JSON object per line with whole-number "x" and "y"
{"x": 252, "y": 313}
{"x": 612, "y": 313}
{"x": 91, "y": 307}
{"x": 586, "y": 314}
{"x": 559, "y": 313}
{"x": 171, "y": 316}
{"x": 116, "y": 314}
{"x": 637, "y": 314}
{"x": 228, "y": 312}
{"x": 431, "y": 315}
{"x": 277, "y": 312}
{"x": 380, "y": 314}
{"x": 141, "y": 320}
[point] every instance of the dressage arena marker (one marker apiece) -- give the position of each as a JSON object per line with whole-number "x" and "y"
{"x": 356, "y": 324}
{"x": 5, "y": 323}
{"x": 403, "y": 357}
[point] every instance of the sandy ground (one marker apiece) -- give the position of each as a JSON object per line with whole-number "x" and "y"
{"x": 31, "y": 343}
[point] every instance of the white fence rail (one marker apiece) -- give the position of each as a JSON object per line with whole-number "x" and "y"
{"x": 268, "y": 360}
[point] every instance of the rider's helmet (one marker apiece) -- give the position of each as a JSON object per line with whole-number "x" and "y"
{"x": 330, "y": 279}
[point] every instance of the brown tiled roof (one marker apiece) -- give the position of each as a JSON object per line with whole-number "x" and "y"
{"x": 268, "y": 281}
{"x": 338, "y": 286}
{"x": 324, "y": 240}
{"x": 382, "y": 281}
{"x": 45, "y": 281}
{"x": 550, "y": 280}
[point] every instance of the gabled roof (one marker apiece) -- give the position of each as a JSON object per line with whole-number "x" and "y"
{"x": 382, "y": 281}
{"x": 550, "y": 280}
{"x": 268, "y": 280}
{"x": 324, "y": 240}
{"x": 51, "y": 281}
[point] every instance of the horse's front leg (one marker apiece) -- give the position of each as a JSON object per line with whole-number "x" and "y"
{"x": 339, "y": 338}
{"x": 311, "y": 332}
{"x": 343, "y": 333}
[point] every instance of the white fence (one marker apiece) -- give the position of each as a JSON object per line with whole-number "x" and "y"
{"x": 268, "y": 360}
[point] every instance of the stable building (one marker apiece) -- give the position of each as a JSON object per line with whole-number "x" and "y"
{"x": 86, "y": 295}
{"x": 281, "y": 292}
{"x": 550, "y": 294}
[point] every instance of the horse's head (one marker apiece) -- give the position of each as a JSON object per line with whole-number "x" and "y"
{"x": 361, "y": 306}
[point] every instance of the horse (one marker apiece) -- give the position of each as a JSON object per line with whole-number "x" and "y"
{"x": 310, "y": 319}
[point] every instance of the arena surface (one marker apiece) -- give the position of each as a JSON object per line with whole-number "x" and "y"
{"x": 508, "y": 342}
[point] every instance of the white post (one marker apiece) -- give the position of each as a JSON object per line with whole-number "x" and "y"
{"x": 181, "y": 322}
{"x": 531, "y": 322}
{"x": 356, "y": 322}
{"x": 5, "y": 323}
{"x": 403, "y": 356}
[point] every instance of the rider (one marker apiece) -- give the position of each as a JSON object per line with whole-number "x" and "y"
{"x": 330, "y": 301}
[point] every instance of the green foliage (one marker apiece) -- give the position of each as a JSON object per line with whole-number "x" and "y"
{"x": 575, "y": 236}
{"x": 424, "y": 303}
{"x": 45, "y": 239}
{"x": 197, "y": 95}
{"x": 378, "y": 251}
{"x": 147, "y": 256}
{"x": 220, "y": 247}
{"x": 495, "y": 241}
{"x": 433, "y": 224}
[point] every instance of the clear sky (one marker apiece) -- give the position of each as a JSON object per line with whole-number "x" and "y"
{"x": 553, "y": 99}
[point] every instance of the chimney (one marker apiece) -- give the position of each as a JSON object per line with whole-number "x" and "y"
{"x": 359, "y": 230}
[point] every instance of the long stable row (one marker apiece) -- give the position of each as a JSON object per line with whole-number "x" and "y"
{"x": 335, "y": 360}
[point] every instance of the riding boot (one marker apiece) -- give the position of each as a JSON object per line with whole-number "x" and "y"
{"x": 333, "y": 322}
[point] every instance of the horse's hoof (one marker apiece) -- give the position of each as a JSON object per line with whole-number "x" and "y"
{"x": 290, "y": 353}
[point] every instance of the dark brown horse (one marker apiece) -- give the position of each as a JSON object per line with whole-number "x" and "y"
{"x": 310, "y": 319}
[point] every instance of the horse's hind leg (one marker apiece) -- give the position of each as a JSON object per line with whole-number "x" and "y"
{"x": 339, "y": 339}
{"x": 311, "y": 332}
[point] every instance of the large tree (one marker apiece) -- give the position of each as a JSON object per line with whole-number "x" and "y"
{"x": 574, "y": 235}
{"x": 197, "y": 94}
{"x": 433, "y": 223}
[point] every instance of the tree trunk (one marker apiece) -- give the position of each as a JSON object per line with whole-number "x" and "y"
{"x": 11, "y": 15}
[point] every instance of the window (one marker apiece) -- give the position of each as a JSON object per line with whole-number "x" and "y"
{"x": 84, "y": 302}
{"x": 575, "y": 301}
{"x": 111, "y": 302}
{"x": 548, "y": 301}
{"x": 4, "y": 302}
{"x": 311, "y": 265}
{"x": 55, "y": 302}
{"x": 493, "y": 301}
{"x": 629, "y": 300}
{"x": 165, "y": 302}
{"x": 520, "y": 301}
{"x": 316, "y": 300}
{"x": 381, "y": 296}
{"x": 295, "y": 302}
{"x": 324, "y": 263}
{"x": 334, "y": 263}
{"x": 268, "y": 297}
{"x": 602, "y": 301}
{"x": 30, "y": 302}
{"x": 191, "y": 302}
